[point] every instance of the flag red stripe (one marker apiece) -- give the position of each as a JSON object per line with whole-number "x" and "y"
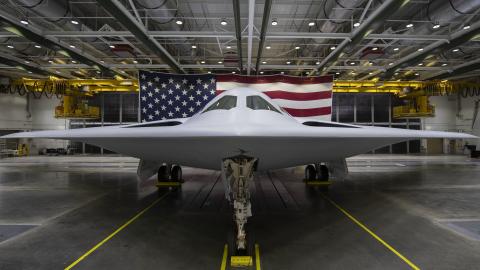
{"x": 273, "y": 79}
{"x": 309, "y": 112}
{"x": 298, "y": 96}
{"x": 294, "y": 96}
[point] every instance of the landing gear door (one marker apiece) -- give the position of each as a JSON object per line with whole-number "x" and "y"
{"x": 147, "y": 169}
{"x": 338, "y": 168}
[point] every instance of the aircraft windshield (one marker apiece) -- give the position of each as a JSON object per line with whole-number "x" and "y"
{"x": 258, "y": 103}
{"x": 224, "y": 103}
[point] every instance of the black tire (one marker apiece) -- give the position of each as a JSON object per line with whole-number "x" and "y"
{"x": 323, "y": 174}
{"x": 176, "y": 173}
{"x": 310, "y": 173}
{"x": 163, "y": 174}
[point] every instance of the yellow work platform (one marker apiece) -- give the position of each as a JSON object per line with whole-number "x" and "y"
{"x": 241, "y": 261}
{"x": 318, "y": 183}
{"x": 169, "y": 184}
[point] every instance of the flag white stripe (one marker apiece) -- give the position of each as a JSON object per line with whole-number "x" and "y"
{"x": 279, "y": 86}
{"x": 310, "y": 104}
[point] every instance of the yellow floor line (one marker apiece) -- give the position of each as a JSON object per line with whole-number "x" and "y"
{"x": 257, "y": 257}
{"x": 412, "y": 265}
{"x": 114, "y": 233}
{"x": 223, "y": 266}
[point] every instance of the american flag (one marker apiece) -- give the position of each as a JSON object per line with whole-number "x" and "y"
{"x": 168, "y": 96}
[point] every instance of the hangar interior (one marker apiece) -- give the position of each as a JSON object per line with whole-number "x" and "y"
{"x": 69, "y": 64}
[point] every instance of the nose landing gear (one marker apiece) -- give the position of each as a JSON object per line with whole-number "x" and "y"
{"x": 237, "y": 174}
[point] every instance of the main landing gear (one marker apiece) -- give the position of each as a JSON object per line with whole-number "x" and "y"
{"x": 237, "y": 175}
{"x": 169, "y": 176}
{"x": 317, "y": 175}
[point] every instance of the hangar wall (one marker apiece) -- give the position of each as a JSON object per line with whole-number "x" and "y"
{"x": 453, "y": 113}
{"x": 15, "y": 117}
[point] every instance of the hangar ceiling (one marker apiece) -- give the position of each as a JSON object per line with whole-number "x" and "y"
{"x": 351, "y": 39}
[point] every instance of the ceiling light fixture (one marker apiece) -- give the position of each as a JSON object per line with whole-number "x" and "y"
{"x": 73, "y": 61}
{"x": 27, "y": 62}
{"x": 444, "y": 64}
{"x": 274, "y": 22}
{"x": 229, "y": 47}
{"x": 268, "y": 47}
{"x": 435, "y": 26}
{"x": 466, "y": 27}
{"x": 421, "y": 49}
{"x": 416, "y": 74}
{"x": 410, "y": 25}
{"x": 352, "y": 63}
{"x": 311, "y": 23}
{"x": 72, "y": 46}
{"x": 357, "y": 24}
{"x": 264, "y": 62}
{"x": 288, "y": 62}
{"x": 38, "y": 46}
{"x": 179, "y": 22}
{"x": 203, "y": 62}
{"x": 338, "y": 73}
{"x": 10, "y": 46}
{"x": 317, "y": 63}
{"x": 261, "y": 72}
{"x": 421, "y": 64}
{"x": 74, "y": 22}
{"x": 396, "y": 49}
{"x": 297, "y": 48}
{"x": 209, "y": 72}
{"x": 282, "y": 72}
{"x": 220, "y": 62}
{"x": 111, "y": 46}
{"x": 370, "y": 73}
{"x": 135, "y": 61}
{"x": 390, "y": 64}
{"x": 455, "y": 50}
{"x": 233, "y": 72}
{"x": 333, "y": 48}
{"x": 223, "y": 22}
{"x": 194, "y": 46}
{"x": 24, "y": 22}
{"x": 374, "y": 48}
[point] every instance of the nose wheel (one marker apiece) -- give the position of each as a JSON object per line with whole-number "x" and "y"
{"x": 317, "y": 175}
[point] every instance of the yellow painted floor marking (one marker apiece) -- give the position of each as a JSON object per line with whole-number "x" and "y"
{"x": 412, "y": 265}
{"x": 114, "y": 233}
{"x": 223, "y": 266}
{"x": 257, "y": 257}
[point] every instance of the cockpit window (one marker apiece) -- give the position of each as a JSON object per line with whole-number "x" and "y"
{"x": 259, "y": 103}
{"x": 224, "y": 103}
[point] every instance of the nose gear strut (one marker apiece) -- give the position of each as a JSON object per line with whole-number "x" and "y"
{"x": 237, "y": 173}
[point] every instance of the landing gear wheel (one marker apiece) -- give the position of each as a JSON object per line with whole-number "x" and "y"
{"x": 176, "y": 174}
{"x": 323, "y": 174}
{"x": 163, "y": 174}
{"x": 310, "y": 173}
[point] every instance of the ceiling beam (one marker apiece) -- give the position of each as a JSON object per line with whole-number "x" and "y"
{"x": 265, "y": 21}
{"x": 457, "y": 70}
{"x": 118, "y": 10}
{"x": 251, "y": 22}
{"x": 26, "y": 66}
{"x": 238, "y": 32}
{"x": 33, "y": 34}
{"x": 457, "y": 39}
{"x": 374, "y": 21}
{"x": 230, "y": 35}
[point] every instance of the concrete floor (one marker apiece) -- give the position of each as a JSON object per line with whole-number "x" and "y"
{"x": 54, "y": 209}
